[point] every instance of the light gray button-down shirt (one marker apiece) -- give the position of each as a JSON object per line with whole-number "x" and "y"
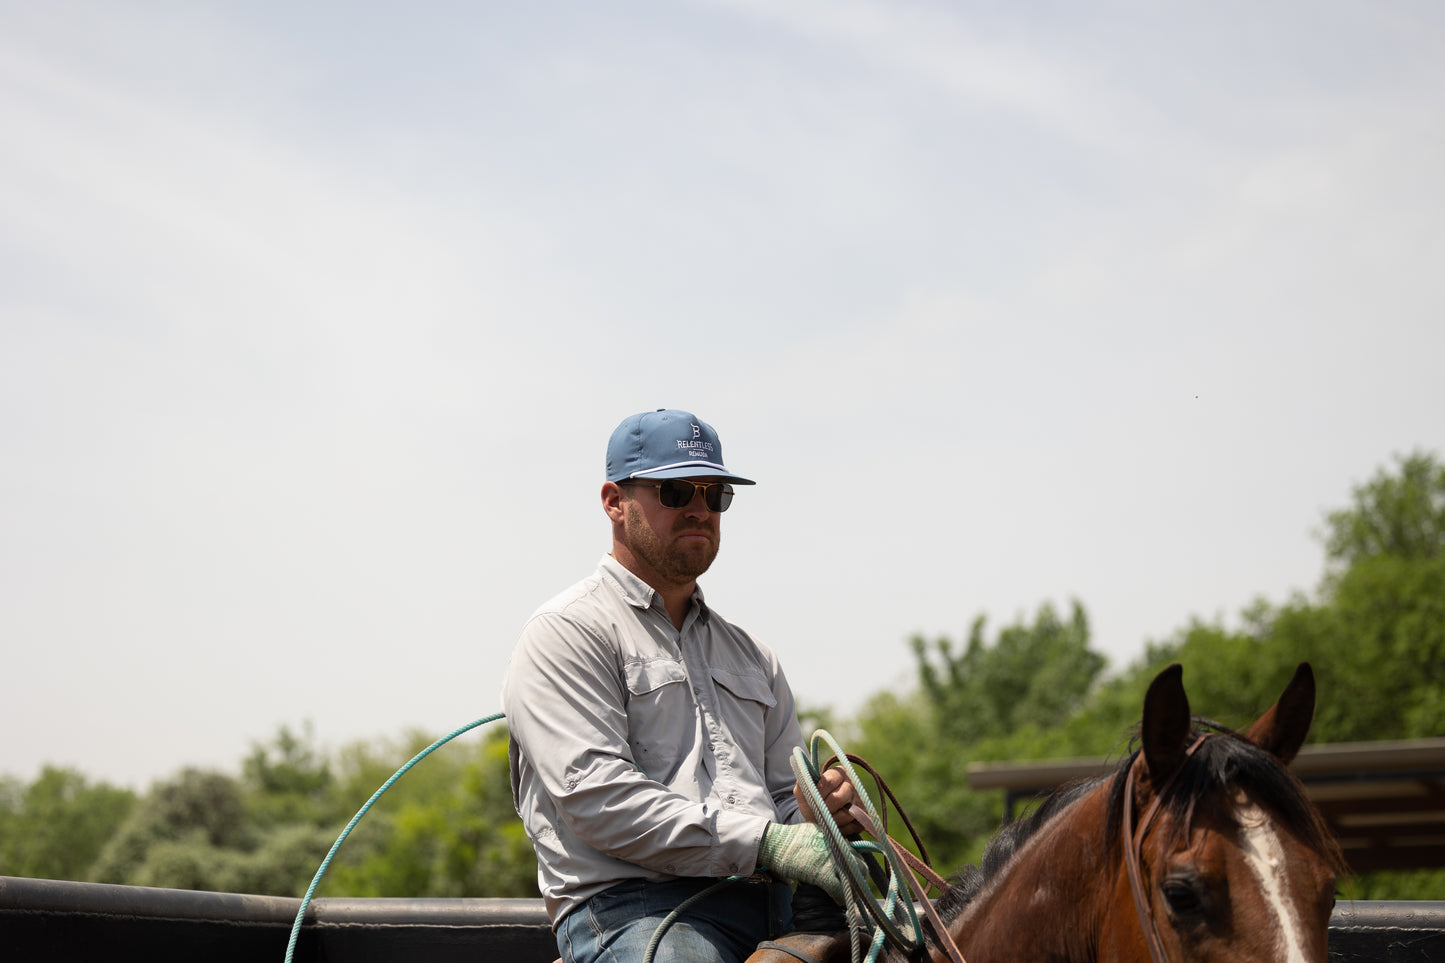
{"x": 640, "y": 751}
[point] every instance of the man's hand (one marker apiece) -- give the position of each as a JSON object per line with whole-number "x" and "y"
{"x": 838, "y": 794}
{"x": 799, "y": 852}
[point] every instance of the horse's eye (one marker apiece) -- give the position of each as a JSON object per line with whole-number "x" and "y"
{"x": 1181, "y": 897}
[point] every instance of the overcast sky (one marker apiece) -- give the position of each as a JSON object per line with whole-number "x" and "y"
{"x": 315, "y": 319}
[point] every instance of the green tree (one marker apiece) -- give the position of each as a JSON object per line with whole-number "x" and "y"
{"x": 55, "y": 827}
{"x": 969, "y": 703}
{"x": 1400, "y": 515}
{"x": 1036, "y": 674}
{"x": 1383, "y": 628}
{"x": 1383, "y": 636}
{"x": 179, "y": 834}
{"x": 450, "y": 830}
{"x": 289, "y": 780}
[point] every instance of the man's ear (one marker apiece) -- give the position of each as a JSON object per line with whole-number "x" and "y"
{"x": 612, "y": 498}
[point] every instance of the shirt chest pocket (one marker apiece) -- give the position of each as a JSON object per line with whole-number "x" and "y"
{"x": 746, "y": 686}
{"x": 661, "y": 719}
{"x": 745, "y": 699}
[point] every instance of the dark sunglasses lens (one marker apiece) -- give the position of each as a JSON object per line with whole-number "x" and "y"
{"x": 718, "y": 497}
{"x": 676, "y": 493}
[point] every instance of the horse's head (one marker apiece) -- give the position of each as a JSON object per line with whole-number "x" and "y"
{"x": 1226, "y": 857}
{"x": 1197, "y": 850}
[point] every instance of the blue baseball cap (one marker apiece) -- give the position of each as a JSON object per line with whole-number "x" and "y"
{"x": 666, "y": 443}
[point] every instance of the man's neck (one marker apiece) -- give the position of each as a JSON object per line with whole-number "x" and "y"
{"x": 677, "y": 599}
{"x": 677, "y": 602}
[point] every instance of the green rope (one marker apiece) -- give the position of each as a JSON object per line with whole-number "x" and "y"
{"x": 325, "y": 863}
{"x": 676, "y": 914}
{"x": 860, "y": 900}
{"x": 892, "y": 914}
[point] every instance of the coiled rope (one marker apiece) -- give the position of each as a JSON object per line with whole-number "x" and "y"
{"x": 892, "y": 916}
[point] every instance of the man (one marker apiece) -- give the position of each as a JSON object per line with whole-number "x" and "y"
{"x": 650, "y": 738}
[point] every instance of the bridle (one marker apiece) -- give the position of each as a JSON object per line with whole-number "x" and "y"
{"x": 1134, "y": 847}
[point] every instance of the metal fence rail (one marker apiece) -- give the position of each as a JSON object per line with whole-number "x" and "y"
{"x": 59, "y": 920}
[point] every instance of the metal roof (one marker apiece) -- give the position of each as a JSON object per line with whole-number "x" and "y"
{"x": 1384, "y": 800}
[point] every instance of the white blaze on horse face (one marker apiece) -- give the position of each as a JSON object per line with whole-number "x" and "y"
{"x": 1265, "y": 857}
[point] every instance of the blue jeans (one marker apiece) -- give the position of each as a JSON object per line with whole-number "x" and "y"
{"x": 725, "y": 926}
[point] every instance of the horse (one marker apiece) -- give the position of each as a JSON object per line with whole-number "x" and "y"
{"x": 1200, "y": 847}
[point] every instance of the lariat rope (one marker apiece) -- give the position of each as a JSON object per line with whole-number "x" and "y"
{"x": 321, "y": 870}
{"x": 894, "y": 913}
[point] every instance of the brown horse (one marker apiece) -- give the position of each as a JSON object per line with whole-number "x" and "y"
{"x": 1201, "y": 847}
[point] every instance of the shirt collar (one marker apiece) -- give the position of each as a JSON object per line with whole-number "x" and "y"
{"x": 637, "y": 593}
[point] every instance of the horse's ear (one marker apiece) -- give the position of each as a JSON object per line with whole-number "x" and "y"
{"x": 1282, "y": 730}
{"x": 1166, "y": 724}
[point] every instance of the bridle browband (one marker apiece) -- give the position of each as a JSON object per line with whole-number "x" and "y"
{"x": 1134, "y": 846}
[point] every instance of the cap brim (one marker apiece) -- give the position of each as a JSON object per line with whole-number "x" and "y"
{"x": 694, "y": 470}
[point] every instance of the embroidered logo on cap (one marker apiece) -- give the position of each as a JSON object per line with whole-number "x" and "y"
{"x": 695, "y": 447}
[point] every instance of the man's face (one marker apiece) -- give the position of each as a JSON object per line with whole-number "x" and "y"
{"x": 678, "y": 544}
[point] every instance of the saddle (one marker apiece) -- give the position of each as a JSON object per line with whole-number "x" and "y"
{"x": 805, "y": 947}
{"x": 821, "y": 935}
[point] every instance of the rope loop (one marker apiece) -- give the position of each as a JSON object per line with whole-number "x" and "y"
{"x": 325, "y": 863}
{"x": 892, "y": 915}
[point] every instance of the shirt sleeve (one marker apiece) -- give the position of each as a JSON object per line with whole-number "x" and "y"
{"x": 566, "y": 708}
{"x": 784, "y": 735}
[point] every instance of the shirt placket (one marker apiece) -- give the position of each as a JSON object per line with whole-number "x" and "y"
{"x": 718, "y": 747}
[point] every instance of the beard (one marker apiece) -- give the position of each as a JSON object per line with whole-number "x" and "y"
{"x": 679, "y": 563}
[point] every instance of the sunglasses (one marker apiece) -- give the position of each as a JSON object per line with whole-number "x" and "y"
{"x": 679, "y": 492}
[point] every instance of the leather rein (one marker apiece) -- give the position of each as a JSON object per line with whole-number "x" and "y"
{"x": 916, "y": 867}
{"x": 1134, "y": 849}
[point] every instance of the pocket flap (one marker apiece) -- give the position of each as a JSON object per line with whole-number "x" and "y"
{"x": 752, "y": 686}
{"x": 653, "y": 674}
